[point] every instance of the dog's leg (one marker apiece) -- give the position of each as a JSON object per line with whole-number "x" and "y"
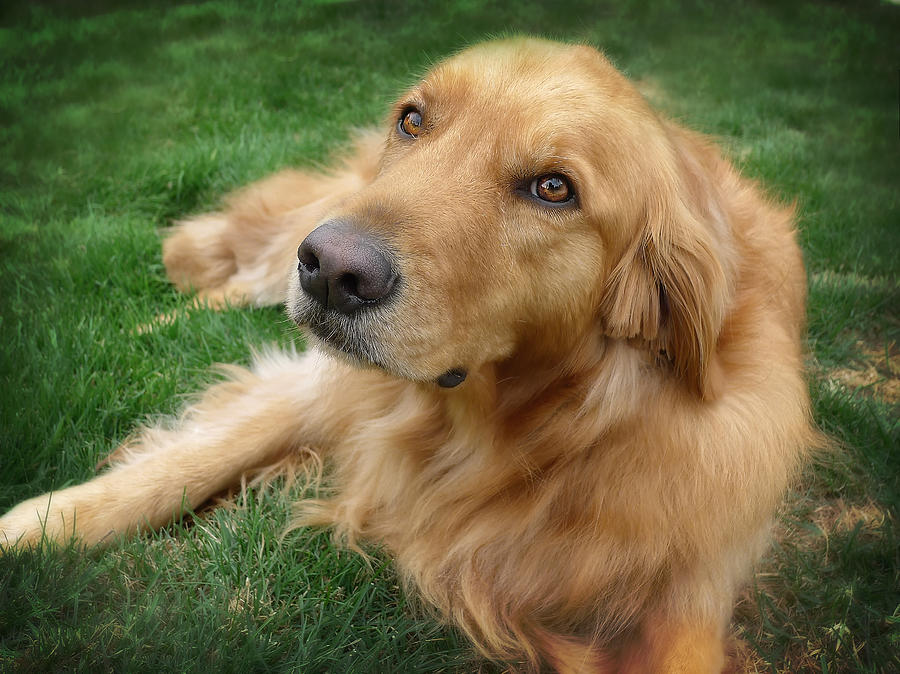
{"x": 250, "y": 421}
{"x": 245, "y": 253}
{"x": 687, "y": 647}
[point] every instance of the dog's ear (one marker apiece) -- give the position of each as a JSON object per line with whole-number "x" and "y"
{"x": 671, "y": 287}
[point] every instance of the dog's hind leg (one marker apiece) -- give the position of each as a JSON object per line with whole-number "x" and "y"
{"x": 245, "y": 253}
{"x": 250, "y": 421}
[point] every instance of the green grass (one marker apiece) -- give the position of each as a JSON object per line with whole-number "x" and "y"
{"x": 116, "y": 118}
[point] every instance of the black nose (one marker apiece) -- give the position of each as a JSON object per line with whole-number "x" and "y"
{"x": 343, "y": 268}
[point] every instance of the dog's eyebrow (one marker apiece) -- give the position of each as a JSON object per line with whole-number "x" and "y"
{"x": 414, "y": 97}
{"x": 533, "y": 161}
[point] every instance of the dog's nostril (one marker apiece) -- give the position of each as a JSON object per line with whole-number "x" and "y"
{"x": 349, "y": 283}
{"x": 308, "y": 259}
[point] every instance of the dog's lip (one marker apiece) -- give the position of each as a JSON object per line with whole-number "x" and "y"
{"x": 337, "y": 342}
{"x": 447, "y": 380}
{"x": 317, "y": 322}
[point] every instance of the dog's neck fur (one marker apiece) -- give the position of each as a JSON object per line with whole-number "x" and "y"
{"x": 514, "y": 401}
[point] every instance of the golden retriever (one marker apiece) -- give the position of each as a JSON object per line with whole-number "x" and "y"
{"x": 556, "y": 366}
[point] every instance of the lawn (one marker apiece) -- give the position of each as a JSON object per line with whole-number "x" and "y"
{"x": 118, "y": 117}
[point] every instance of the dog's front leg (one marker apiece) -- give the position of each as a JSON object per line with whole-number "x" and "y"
{"x": 676, "y": 646}
{"x": 252, "y": 419}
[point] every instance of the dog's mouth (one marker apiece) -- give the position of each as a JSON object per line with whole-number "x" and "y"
{"x": 350, "y": 338}
{"x": 340, "y": 335}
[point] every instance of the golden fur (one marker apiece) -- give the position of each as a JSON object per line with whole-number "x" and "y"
{"x": 594, "y": 494}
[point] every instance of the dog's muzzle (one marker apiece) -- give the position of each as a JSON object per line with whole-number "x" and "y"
{"x": 343, "y": 269}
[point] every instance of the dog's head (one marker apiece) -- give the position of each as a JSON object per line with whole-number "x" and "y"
{"x": 526, "y": 194}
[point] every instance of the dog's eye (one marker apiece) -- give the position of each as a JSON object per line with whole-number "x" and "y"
{"x": 410, "y": 123}
{"x": 552, "y": 188}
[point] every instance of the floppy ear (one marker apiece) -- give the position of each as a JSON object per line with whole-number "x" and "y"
{"x": 672, "y": 286}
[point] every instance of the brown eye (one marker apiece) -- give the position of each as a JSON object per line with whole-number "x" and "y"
{"x": 553, "y": 188}
{"x": 411, "y": 123}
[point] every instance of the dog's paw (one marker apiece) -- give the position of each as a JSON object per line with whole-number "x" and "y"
{"x": 22, "y": 526}
{"x": 196, "y": 253}
{"x": 46, "y": 518}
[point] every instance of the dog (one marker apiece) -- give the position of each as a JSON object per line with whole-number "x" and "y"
{"x": 556, "y": 365}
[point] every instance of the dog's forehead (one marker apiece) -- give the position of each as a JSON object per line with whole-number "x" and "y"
{"x": 551, "y": 89}
{"x": 525, "y": 73}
